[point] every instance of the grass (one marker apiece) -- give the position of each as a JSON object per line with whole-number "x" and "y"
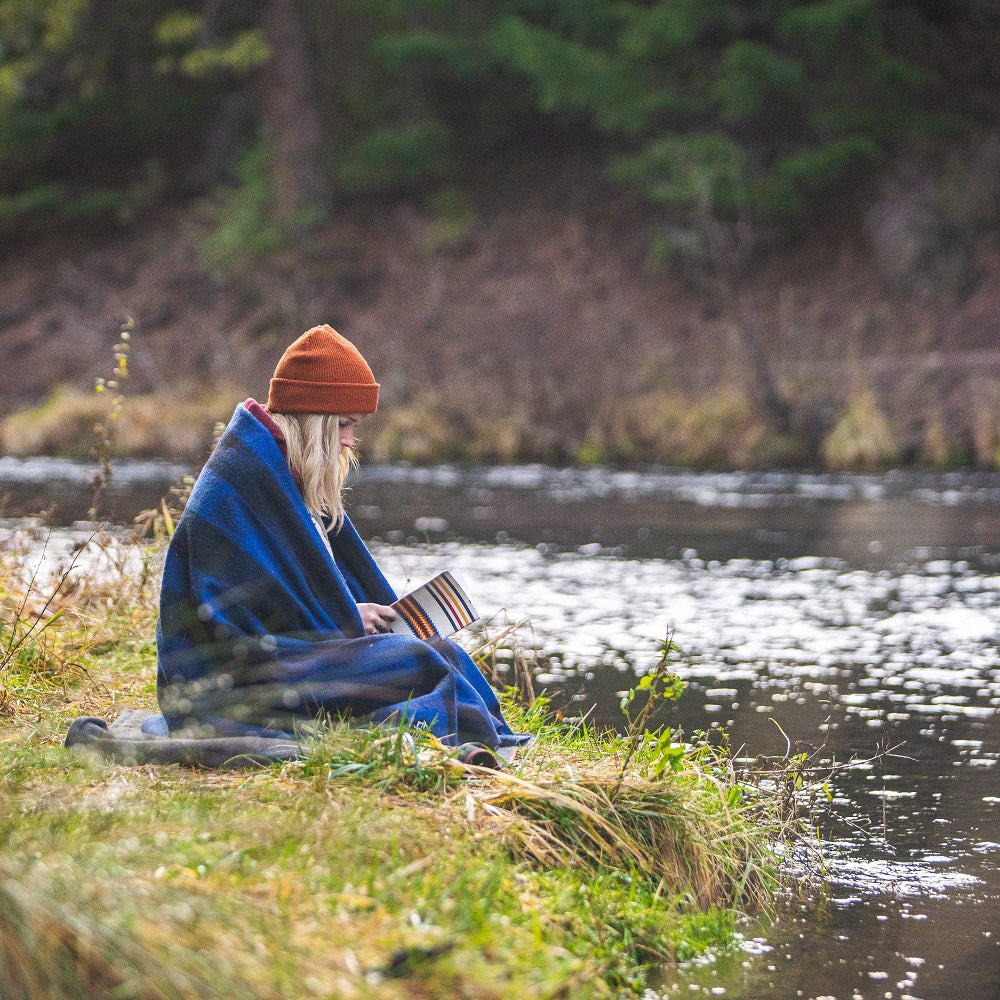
{"x": 721, "y": 428}
{"x": 376, "y": 865}
{"x": 172, "y": 425}
{"x": 863, "y": 438}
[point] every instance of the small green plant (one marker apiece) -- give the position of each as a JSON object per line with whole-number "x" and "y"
{"x": 404, "y": 759}
{"x": 395, "y": 159}
{"x": 661, "y": 749}
{"x": 240, "y": 227}
{"x": 28, "y": 615}
{"x": 454, "y": 216}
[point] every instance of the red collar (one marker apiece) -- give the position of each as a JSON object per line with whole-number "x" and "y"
{"x": 260, "y": 412}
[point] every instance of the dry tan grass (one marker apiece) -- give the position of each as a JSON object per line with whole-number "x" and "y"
{"x": 862, "y": 438}
{"x": 678, "y": 832}
{"x": 179, "y": 424}
{"x": 671, "y": 426}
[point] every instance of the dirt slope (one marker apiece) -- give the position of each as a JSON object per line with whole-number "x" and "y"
{"x": 540, "y": 309}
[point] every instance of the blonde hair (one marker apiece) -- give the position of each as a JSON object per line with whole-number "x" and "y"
{"x": 319, "y": 464}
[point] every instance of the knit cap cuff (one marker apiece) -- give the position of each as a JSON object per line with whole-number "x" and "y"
{"x": 322, "y": 397}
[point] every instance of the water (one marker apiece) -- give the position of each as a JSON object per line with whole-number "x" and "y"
{"x": 64, "y": 488}
{"x": 859, "y": 615}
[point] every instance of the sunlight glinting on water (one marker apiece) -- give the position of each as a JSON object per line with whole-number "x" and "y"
{"x": 857, "y": 613}
{"x": 872, "y": 657}
{"x": 919, "y": 643}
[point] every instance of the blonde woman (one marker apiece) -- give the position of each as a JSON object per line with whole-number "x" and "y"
{"x": 273, "y": 613}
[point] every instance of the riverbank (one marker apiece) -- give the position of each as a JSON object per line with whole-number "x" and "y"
{"x": 534, "y": 320}
{"x": 591, "y": 863}
{"x": 852, "y": 612}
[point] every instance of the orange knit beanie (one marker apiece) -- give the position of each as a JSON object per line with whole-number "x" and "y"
{"x": 322, "y": 372}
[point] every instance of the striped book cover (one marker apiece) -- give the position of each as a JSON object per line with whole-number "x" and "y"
{"x": 436, "y": 610}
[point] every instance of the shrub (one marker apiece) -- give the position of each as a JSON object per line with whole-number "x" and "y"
{"x": 238, "y": 225}
{"x": 862, "y": 438}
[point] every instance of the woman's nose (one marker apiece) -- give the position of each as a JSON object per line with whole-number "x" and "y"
{"x": 346, "y": 437}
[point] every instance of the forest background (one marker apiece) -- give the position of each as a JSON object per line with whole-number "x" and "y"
{"x": 690, "y": 232}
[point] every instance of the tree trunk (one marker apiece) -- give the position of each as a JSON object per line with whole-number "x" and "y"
{"x": 290, "y": 117}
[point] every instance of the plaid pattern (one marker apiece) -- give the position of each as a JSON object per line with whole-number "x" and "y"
{"x": 259, "y": 628}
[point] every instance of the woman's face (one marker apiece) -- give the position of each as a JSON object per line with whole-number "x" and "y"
{"x": 348, "y": 423}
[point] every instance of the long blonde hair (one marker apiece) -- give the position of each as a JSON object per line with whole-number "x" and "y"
{"x": 317, "y": 461}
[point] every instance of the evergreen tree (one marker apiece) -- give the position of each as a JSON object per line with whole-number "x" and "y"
{"x": 719, "y": 109}
{"x": 106, "y": 107}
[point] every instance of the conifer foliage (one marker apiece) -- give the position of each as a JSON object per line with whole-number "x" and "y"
{"x": 715, "y": 107}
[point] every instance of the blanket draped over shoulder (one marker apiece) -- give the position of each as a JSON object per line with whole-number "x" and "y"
{"x": 259, "y": 630}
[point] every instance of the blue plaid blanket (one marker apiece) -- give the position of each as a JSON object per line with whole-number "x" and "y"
{"x": 259, "y": 630}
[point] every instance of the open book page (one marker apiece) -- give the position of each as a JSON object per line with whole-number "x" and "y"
{"x": 438, "y": 609}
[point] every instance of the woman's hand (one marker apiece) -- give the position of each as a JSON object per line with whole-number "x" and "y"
{"x": 375, "y": 616}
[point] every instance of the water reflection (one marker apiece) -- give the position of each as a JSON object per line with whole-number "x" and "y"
{"x": 63, "y": 488}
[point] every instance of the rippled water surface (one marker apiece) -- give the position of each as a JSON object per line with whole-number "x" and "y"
{"x": 856, "y": 660}
{"x": 856, "y": 614}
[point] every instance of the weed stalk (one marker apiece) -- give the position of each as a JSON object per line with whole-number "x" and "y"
{"x": 104, "y": 429}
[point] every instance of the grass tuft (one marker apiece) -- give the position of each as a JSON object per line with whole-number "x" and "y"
{"x": 177, "y": 425}
{"x": 862, "y": 438}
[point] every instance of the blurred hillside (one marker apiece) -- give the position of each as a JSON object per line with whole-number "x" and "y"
{"x": 701, "y": 233}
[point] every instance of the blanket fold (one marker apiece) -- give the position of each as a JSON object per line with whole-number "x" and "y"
{"x": 138, "y": 737}
{"x": 89, "y": 734}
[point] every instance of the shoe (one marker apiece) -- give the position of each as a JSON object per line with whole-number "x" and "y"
{"x": 478, "y": 756}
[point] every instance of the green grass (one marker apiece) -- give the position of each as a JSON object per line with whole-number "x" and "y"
{"x": 376, "y": 865}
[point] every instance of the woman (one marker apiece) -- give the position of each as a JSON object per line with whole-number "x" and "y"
{"x": 273, "y": 613}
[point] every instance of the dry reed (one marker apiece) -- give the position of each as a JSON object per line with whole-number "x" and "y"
{"x": 676, "y": 832}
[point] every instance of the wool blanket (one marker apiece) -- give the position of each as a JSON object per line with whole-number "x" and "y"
{"x": 141, "y": 737}
{"x": 138, "y": 737}
{"x": 259, "y": 632}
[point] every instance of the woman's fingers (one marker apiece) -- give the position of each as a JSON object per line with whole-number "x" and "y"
{"x": 375, "y": 616}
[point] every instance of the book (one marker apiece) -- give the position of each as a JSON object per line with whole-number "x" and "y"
{"x": 437, "y": 609}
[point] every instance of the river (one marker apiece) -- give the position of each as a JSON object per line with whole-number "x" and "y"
{"x": 857, "y": 614}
